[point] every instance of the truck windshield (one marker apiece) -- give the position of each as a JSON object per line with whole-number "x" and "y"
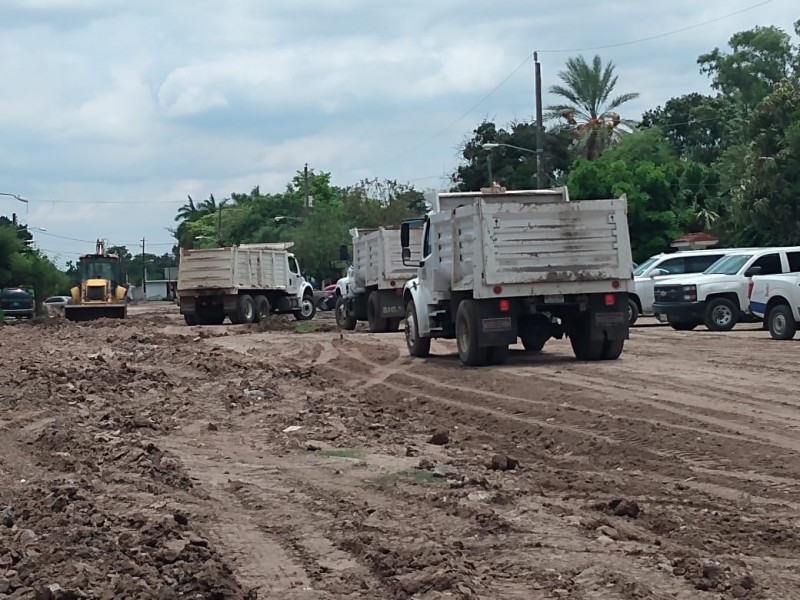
{"x": 644, "y": 266}
{"x": 728, "y": 265}
{"x": 99, "y": 269}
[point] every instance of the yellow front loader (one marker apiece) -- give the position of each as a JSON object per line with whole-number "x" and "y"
{"x": 101, "y": 293}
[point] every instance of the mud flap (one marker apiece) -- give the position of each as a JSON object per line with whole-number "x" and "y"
{"x": 496, "y": 328}
{"x": 608, "y": 322}
{"x": 391, "y": 304}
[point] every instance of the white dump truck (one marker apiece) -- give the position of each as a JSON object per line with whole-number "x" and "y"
{"x": 498, "y": 266}
{"x": 372, "y": 291}
{"x": 244, "y": 283}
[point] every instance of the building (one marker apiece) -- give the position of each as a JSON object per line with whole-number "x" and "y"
{"x": 158, "y": 289}
{"x": 694, "y": 241}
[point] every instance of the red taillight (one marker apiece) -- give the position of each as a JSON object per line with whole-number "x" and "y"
{"x": 610, "y": 299}
{"x": 505, "y": 305}
{"x": 750, "y": 289}
{"x": 615, "y": 284}
{"x": 498, "y": 289}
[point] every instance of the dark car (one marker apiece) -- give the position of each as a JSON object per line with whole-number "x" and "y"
{"x": 17, "y": 302}
{"x": 326, "y": 298}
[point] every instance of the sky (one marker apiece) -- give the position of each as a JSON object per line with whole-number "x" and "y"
{"x": 113, "y": 111}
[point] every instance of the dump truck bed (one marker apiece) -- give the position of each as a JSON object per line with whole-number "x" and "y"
{"x": 532, "y": 244}
{"x": 254, "y": 266}
{"x": 378, "y": 260}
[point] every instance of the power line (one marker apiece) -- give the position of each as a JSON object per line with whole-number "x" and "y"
{"x": 660, "y": 35}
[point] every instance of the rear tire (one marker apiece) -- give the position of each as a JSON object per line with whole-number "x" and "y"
{"x": 393, "y": 325}
{"x": 633, "y": 312}
{"x": 470, "y": 353}
{"x": 190, "y": 319}
{"x": 782, "y": 325}
{"x": 245, "y": 309}
{"x": 262, "y": 308}
{"x": 683, "y": 325}
{"x": 377, "y": 323}
{"x": 721, "y": 315}
{"x": 344, "y": 319}
{"x": 420, "y": 347}
{"x": 612, "y": 349}
{"x": 583, "y": 347}
{"x": 498, "y": 355}
{"x": 534, "y": 343}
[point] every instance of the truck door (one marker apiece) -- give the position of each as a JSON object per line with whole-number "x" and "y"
{"x": 294, "y": 276}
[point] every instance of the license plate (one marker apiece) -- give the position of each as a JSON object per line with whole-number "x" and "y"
{"x": 554, "y": 299}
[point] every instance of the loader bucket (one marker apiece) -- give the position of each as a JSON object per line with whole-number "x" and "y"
{"x": 89, "y": 312}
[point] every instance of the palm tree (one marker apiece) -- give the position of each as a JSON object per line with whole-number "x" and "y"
{"x": 209, "y": 206}
{"x": 589, "y": 111}
{"x": 187, "y": 212}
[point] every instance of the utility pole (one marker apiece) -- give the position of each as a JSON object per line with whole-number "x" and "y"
{"x": 539, "y": 125}
{"x": 144, "y": 274}
{"x": 219, "y": 223}
{"x": 305, "y": 187}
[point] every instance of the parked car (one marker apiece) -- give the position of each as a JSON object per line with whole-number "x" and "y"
{"x": 57, "y": 301}
{"x": 326, "y": 298}
{"x": 776, "y": 299}
{"x": 17, "y": 302}
{"x": 719, "y": 297}
{"x": 662, "y": 266}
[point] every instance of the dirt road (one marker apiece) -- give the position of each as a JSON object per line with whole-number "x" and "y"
{"x": 147, "y": 459}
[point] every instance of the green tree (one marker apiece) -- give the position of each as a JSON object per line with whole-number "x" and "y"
{"x": 515, "y": 169}
{"x": 590, "y": 109}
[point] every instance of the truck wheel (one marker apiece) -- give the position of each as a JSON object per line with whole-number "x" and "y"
{"x": 782, "y": 325}
{"x": 612, "y": 349}
{"x": 470, "y": 353}
{"x": 191, "y": 320}
{"x": 344, "y": 319}
{"x": 584, "y": 347}
{"x": 721, "y": 315}
{"x": 245, "y": 309}
{"x": 377, "y": 324}
{"x": 417, "y": 346}
{"x": 393, "y": 325}
{"x": 262, "y": 308}
{"x": 307, "y": 309}
{"x": 498, "y": 355}
{"x": 534, "y": 343}
{"x": 633, "y": 312}
{"x": 683, "y": 325}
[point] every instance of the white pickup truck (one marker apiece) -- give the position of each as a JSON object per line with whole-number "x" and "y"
{"x": 776, "y": 299}
{"x": 718, "y": 297}
{"x": 500, "y": 266}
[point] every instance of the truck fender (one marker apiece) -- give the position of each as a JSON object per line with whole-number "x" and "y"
{"x": 305, "y": 289}
{"x": 412, "y": 291}
{"x": 343, "y": 287}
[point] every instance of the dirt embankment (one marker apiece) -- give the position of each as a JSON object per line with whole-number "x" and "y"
{"x": 146, "y": 459}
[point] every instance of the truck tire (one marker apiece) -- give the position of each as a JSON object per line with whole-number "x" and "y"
{"x": 612, "y": 349}
{"x": 683, "y": 325}
{"x": 498, "y": 355}
{"x": 393, "y": 325}
{"x": 344, "y": 319}
{"x": 377, "y": 323}
{"x": 419, "y": 347}
{"x": 245, "y": 309}
{"x": 470, "y": 353}
{"x": 262, "y": 308}
{"x": 633, "y": 312}
{"x": 782, "y": 325}
{"x": 583, "y": 346}
{"x": 307, "y": 309}
{"x": 534, "y": 343}
{"x": 721, "y": 315}
{"x": 191, "y": 320}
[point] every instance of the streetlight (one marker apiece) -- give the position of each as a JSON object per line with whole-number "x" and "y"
{"x": 285, "y": 218}
{"x": 15, "y": 196}
{"x": 538, "y": 153}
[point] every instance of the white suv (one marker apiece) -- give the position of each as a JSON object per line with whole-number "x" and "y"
{"x": 719, "y": 296}
{"x": 662, "y": 266}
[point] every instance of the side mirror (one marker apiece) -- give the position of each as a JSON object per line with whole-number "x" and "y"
{"x": 658, "y": 273}
{"x": 343, "y": 255}
{"x": 406, "y": 255}
{"x": 753, "y": 271}
{"x": 405, "y": 236}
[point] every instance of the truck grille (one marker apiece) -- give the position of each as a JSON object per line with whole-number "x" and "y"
{"x": 95, "y": 292}
{"x": 668, "y": 293}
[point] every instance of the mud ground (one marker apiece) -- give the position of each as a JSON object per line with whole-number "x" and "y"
{"x": 147, "y": 459}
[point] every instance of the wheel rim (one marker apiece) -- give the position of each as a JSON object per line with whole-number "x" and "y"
{"x": 249, "y": 311}
{"x": 722, "y": 316}
{"x": 630, "y": 313}
{"x": 463, "y": 336}
{"x": 411, "y": 330}
{"x": 307, "y": 307}
{"x": 779, "y": 323}
{"x": 341, "y": 313}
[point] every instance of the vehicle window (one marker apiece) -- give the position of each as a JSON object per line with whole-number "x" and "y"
{"x": 728, "y": 265}
{"x": 639, "y": 271}
{"x": 16, "y": 294}
{"x": 698, "y": 264}
{"x": 426, "y": 242}
{"x": 293, "y": 265}
{"x": 53, "y": 299}
{"x": 674, "y": 266}
{"x": 794, "y": 261}
{"x": 770, "y": 264}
